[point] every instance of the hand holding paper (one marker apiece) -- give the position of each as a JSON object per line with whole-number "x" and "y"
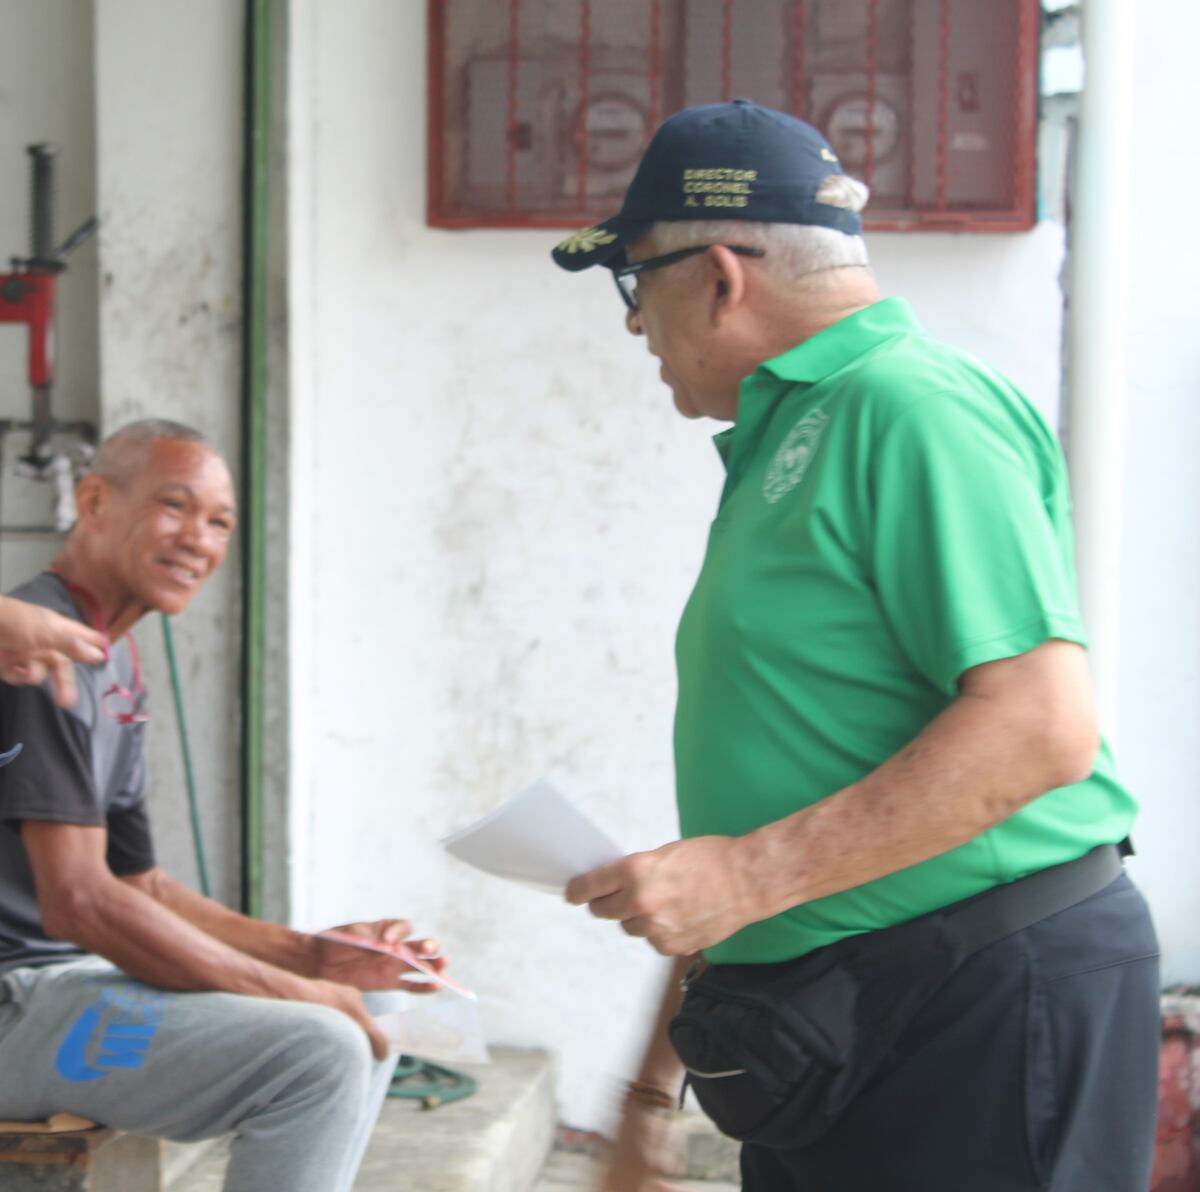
{"x": 537, "y": 838}
{"x": 338, "y": 962}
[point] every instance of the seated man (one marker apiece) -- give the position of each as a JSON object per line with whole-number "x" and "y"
{"x": 124, "y": 996}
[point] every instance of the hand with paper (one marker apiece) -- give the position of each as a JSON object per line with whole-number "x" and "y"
{"x": 378, "y": 955}
{"x": 681, "y": 898}
{"x": 537, "y": 838}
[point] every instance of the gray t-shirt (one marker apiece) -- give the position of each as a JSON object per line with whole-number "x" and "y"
{"x": 78, "y": 765}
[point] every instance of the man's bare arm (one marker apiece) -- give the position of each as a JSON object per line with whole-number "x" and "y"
{"x": 277, "y": 945}
{"x": 297, "y": 951}
{"x": 1020, "y": 727}
{"x": 635, "y": 1161}
{"x": 82, "y": 902}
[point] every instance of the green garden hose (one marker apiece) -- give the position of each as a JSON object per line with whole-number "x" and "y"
{"x": 430, "y": 1084}
{"x": 186, "y": 750}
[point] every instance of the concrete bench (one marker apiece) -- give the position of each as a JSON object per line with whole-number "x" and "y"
{"x": 71, "y": 1154}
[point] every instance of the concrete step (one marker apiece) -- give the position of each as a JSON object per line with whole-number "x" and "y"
{"x": 568, "y": 1171}
{"x": 695, "y": 1155}
{"x": 707, "y": 1154}
{"x": 494, "y": 1141}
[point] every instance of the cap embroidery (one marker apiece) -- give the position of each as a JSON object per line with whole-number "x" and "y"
{"x": 828, "y": 155}
{"x": 720, "y": 187}
{"x": 586, "y": 240}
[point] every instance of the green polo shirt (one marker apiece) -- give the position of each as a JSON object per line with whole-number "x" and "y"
{"x": 894, "y": 513}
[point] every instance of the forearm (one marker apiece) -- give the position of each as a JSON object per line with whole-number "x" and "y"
{"x": 270, "y": 942}
{"x": 152, "y": 943}
{"x": 660, "y": 1065}
{"x": 970, "y": 769}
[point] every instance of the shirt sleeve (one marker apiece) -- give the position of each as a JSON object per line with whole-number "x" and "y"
{"x": 130, "y": 849}
{"x": 52, "y": 778}
{"x": 972, "y": 555}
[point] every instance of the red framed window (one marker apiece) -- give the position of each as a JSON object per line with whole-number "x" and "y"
{"x": 539, "y": 109}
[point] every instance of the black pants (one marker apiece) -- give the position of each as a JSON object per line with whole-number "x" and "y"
{"x": 1034, "y": 1068}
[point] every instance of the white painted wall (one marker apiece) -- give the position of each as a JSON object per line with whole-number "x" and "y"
{"x": 168, "y": 119}
{"x": 46, "y": 87}
{"x": 497, "y": 518}
{"x": 1157, "y": 742}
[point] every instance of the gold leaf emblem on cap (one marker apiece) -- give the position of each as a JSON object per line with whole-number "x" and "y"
{"x": 828, "y": 155}
{"x": 586, "y": 240}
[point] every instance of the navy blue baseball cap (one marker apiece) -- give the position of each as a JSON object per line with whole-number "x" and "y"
{"x": 722, "y": 161}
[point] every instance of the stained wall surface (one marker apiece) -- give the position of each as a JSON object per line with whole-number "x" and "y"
{"x": 497, "y": 518}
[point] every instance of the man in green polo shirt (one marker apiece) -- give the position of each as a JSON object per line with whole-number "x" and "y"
{"x": 922, "y": 965}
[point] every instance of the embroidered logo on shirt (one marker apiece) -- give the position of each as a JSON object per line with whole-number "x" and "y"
{"x": 791, "y": 461}
{"x": 112, "y": 1034}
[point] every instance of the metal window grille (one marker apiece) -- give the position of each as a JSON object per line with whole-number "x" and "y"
{"x": 539, "y": 109}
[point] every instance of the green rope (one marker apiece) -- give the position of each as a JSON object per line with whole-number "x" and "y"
{"x": 430, "y": 1084}
{"x": 186, "y": 751}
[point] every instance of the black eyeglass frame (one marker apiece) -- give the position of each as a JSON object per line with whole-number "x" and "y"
{"x": 633, "y": 268}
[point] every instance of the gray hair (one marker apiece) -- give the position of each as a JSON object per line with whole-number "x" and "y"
{"x": 793, "y": 250}
{"x": 124, "y": 451}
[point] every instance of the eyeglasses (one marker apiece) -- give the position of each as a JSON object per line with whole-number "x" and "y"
{"x": 122, "y": 704}
{"x": 626, "y": 275}
{"x": 125, "y": 706}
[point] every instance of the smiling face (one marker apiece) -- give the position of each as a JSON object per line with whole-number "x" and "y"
{"x": 165, "y": 528}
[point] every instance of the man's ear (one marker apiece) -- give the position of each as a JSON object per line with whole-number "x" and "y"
{"x": 728, "y": 276}
{"x": 91, "y": 495}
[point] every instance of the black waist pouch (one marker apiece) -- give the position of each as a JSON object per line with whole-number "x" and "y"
{"x": 776, "y": 1052}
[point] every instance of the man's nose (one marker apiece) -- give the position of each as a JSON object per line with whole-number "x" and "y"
{"x": 633, "y": 322}
{"x": 196, "y": 536}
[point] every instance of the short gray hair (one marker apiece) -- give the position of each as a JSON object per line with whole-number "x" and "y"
{"x": 124, "y": 451}
{"x": 793, "y": 250}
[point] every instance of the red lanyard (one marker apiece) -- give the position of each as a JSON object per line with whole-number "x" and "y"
{"x": 123, "y": 705}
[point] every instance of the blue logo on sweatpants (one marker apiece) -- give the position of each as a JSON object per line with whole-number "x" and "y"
{"x": 114, "y": 1033}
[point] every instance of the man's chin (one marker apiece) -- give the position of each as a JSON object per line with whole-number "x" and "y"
{"x": 171, "y": 602}
{"x": 685, "y": 407}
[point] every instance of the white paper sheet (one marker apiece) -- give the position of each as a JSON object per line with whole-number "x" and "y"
{"x": 537, "y": 838}
{"x": 434, "y": 1027}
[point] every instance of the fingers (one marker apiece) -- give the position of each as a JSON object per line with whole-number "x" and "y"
{"x": 378, "y": 1040}
{"x": 379, "y": 1044}
{"x": 384, "y": 931}
{"x": 362, "y": 930}
{"x": 613, "y": 906}
{"x": 27, "y": 629}
{"x": 408, "y": 985}
{"x": 33, "y": 669}
{"x": 76, "y": 641}
{"x": 599, "y": 883}
{"x": 22, "y": 673}
{"x": 394, "y": 931}
{"x": 427, "y": 949}
{"x": 61, "y": 671}
{"x": 638, "y": 927}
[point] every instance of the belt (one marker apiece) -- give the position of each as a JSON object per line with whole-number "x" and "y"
{"x": 1005, "y": 910}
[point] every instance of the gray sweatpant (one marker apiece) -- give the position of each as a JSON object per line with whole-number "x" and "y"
{"x": 295, "y": 1083}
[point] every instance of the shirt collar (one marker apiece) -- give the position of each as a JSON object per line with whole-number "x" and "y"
{"x": 806, "y": 364}
{"x": 846, "y": 340}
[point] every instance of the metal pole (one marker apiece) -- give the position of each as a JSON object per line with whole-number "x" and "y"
{"x": 254, "y": 441}
{"x": 1098, "y": 303}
